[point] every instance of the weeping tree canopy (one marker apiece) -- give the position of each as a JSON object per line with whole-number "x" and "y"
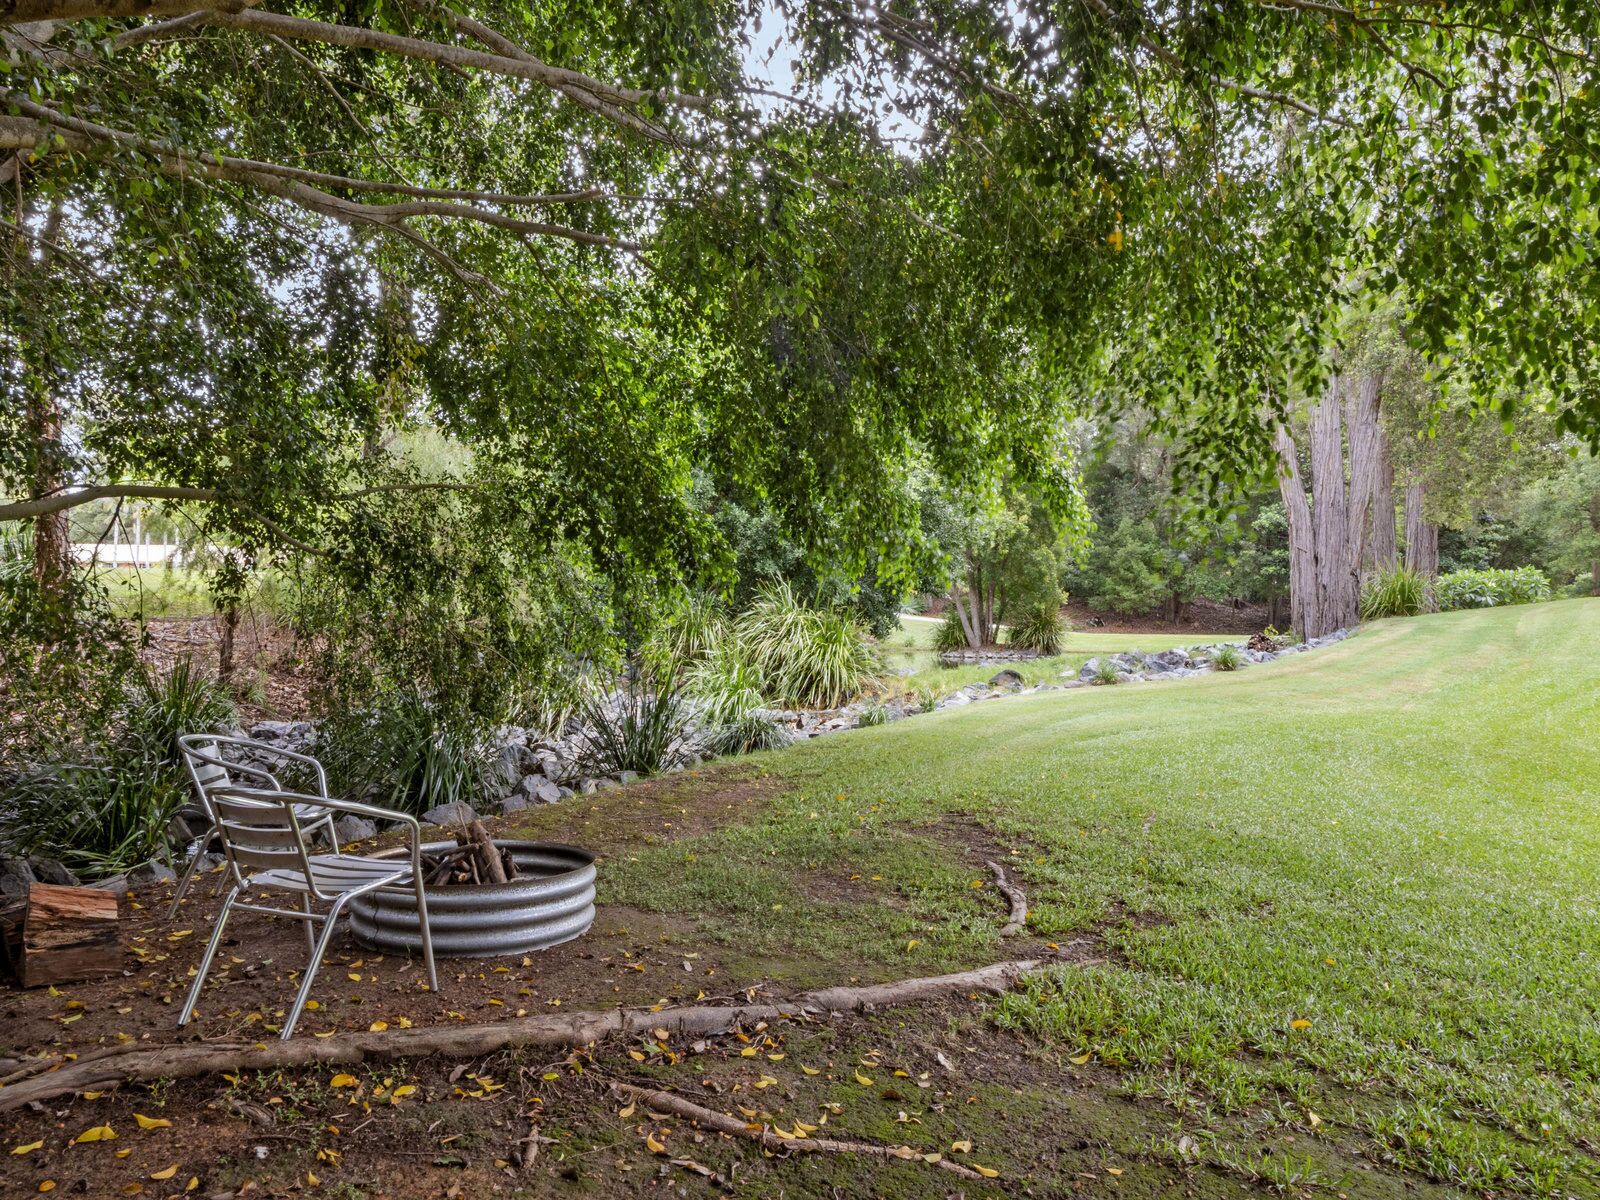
{"x": 589, "y": 242}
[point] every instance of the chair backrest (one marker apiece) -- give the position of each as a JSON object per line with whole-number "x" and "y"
{"x": 208, "y": 770}
{"x": 259, "y": 830}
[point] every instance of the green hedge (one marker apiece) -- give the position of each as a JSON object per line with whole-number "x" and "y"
{"x": 1489, "y": 589}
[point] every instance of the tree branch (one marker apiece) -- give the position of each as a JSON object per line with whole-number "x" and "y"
{"x": 54, "y": 502}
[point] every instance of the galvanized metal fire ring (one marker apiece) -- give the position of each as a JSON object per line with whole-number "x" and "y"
{"x": 552, "y": 903}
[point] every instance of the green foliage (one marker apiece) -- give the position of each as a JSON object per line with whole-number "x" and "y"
{"x": 1126, "y": 571}
{"x": 693, "y": 629}
{"x": 642, "y": 726}
{"x": 873, "y": 712}
{"x": 746, "y": 734}
{"x": 1040, "y": 628}
{"x": 407, "y": 754}
{"x": 102, "y": 805}
{"x": 928, "y": 698}
{"x": 1227, "y": 658}
{"x": 1489, "y": 589}
{"x": 1106, "y": 673}
{"x": 726, "y": 685}
{"x": 949, "y": 636}
{"x": 1396, "y": 593}
{"x": 807, "y": 656}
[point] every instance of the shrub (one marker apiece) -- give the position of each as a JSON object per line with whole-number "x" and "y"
{"x": 928, "y": 698}
{"x": 642, "y": 727}
{"x": 949, "y": 636}
{"x": 751, "y": 732}
{"x": 103, "y": 806}
{"x": 1227, "y": 658}
{"x": 408, "y": 754}
{"x": 690, "y": 633}
{"x": 725, "y": 685}
{"x": 873, "y": 712}
{"x": 1396, "y": 593}
{"x": 1040, "y": 628}
{"x": 807, "y": 656}
{"x": 1105, "y": 672}
{"x": 1489, "y": 589}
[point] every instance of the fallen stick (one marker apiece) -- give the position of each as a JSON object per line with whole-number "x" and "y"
{"x": 180, "y": 1060}
{"x": 708, "y": 1118}
{"x": 1019, "y": 902}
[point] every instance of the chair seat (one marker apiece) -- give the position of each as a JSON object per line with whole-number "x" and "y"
{"x": 335, "y": 873}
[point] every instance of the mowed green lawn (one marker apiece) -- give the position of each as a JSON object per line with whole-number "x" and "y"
{"x": 1351, "y": 895}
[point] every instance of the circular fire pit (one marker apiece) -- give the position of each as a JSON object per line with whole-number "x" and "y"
{"x": 552, "y": 903}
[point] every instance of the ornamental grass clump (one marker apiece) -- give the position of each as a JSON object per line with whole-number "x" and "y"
{"x": 408, "y": 753}
{"x": 1396, "y": 593}
{"x": 809, "y": 657}
{"x": 1228, "y": 658}
{"x": 1041, "y": 629}
{"x": 950, "y": 636}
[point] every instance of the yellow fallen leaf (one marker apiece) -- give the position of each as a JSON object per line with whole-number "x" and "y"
{"x": 47, "y": 1185}
{"x": 962, "y": 1147}
{"x": 986, "y": 1172}
{"x": 97, "y": 1133}
{"x": 912, "y": 944}
{"x": 1113, "y": 1170}
{"x": 1313, "y": 1118}
{"x": 194, "y": 1182}
{"x": 932, "y": 1158}
{"x": 654, "y": 1146}
{"x": 377, "y": 1026}
{"x": 636, "y": 1056}
{"x": 765, "y": 1081}
{"x": 1300, "y": 1023}
{"x": 405, "y": 1089}
{"x": 152, "y": 1122}
{"x": 783, "y": 1133}
{"x": 863, "y": 1080}
{"x": 355, "y": 976}
{"x": 166, "y": 1174}
{"x": 123, "y": 1153}
{"x": 1079, "y": 1060}
{"x": 342, "y": 1081}
{"x": 27, "y": 1149}
{"x": 627, "y": 1112}
{"x": 810, "y": 1070}
{"x": 312, "y": 1005}
{"x": 312, "y": 1179}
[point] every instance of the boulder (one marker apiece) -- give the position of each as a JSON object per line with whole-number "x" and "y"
{"x": 15, "y": 876}
{"x": 1167, "y": 661}
{"x": 450, "y": 814}
{"x": 1006, "y": 679}
{"x": 515, "y": 802}
{"x": 546, "y": 793}
{"x": 1089, "y": 670}
{"x": 1075, "y": 683}
{"x": 48, "y": 870}
{"x": 628, "y": 776}
{"x": 150, "y": 874}
{"x": 351, "y": 828}
{"x": 508, "y": 764}
{"x": 955, "y": 700}
{"x": 588, "y": 787}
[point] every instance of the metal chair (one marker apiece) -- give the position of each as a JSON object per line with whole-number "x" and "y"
{"x": 261, "y": 833}
{"x": 208, "y": 769}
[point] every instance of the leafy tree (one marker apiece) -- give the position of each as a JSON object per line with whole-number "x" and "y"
{"x": 1561, "y": 513}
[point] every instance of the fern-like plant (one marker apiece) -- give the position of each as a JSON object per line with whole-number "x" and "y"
{"x": 873, "y": 712}
{"x": 408, "y": 754}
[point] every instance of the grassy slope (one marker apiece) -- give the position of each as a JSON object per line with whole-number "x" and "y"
{"x": 1394, "y": 839}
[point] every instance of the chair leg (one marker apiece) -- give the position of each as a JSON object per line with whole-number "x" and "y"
{"x": 193, "y": 998}
{"x": 317, "y": 952}
{"x": 189, "y": 874}
{"x": 427, "y": 934}
{"x": 305, "y": 907}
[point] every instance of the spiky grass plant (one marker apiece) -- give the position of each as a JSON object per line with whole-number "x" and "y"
{"x": 691, "y": 632}
{"x": 1396, "y": 593}
{"x": 809, "y": 657}
{"x": 409, "y": 754}
{"x": 747, "y": 734}
{"x": 1228, "y": 658}
{"x": 1106, "y": 673}
{"x": 642, "y": 726}
{"x": 950, "y": 636}
{"x": 725, "y": 685}
{"x": 1040, "y": 628}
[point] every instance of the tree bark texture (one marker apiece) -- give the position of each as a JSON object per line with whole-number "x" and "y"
{"x": 1422, "y": 538}
{"x": 1330, "y": 514}
{"x": 1304, "y": 606}
{"x": 1371, "y": 482}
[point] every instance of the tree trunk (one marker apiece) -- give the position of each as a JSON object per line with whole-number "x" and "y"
{"x": 1304, "y": 608}
{"x": 1422, "y": 539}
{"x": 968, "y": 622}
{"x": 1330, "y": 513}
{"x": 52, "y": 546}
{"x": 230, "y": 625}
{"x": 1371, "y": 483}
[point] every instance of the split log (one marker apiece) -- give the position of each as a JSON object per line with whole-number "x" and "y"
{"x": 180, "y": 1060}
{"x": 708, "y": 1118}
{"x": 1019, "y": 901}
{"x": 65, "y": 935}
{"x": 488, "y": 853}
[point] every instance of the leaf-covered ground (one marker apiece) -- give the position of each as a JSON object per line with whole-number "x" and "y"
{"x": 1333, "y": 923}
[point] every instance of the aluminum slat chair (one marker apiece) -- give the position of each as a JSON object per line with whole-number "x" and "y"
{"x": 266, "y": 849}
{"x": 207, "y": 769}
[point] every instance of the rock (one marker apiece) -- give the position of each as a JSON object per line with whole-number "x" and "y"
{"x": 15, "y": 876}
{"x": 1075, "y": 683}
{"x": 564, "y": 793}
{"x": 117, "y": 885}
{"x": 546, "y": 793}
{"x": 1089, "y": 670}
{"x": 531, "y": 784}
{"x": 450, "y": 814}
{"x": 1006, "y": 679}
{"x": 508, "y": 764}
{"x": 955, "y": 700}
{"x": 1166, "y": 661}
{"x": 515, "y": 802}
{"x": 151, "y": 873}
{"x": 588, "y": 787}
{"x": 604, "y": 784}
{"x": 1129, "y": 661}
{"x": 48, "y": 870}
{"x": 351, "y": 828}
{"x": 628, "y": 776}
{"x": 270, "y": 731}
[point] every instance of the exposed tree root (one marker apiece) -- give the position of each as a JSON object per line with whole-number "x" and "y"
{"x": 708, "y": 1118}
{"x": 1019, "y": 901}
{"x": 179, "y": 1060}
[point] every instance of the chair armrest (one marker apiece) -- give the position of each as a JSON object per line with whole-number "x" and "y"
{"x": 294, "y": 756}
{"x": 413, "y": 826}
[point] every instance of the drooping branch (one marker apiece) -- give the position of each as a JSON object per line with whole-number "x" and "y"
{"x": 54, "y": 1077}
{"x": 39, "y": 506}
{"x": 43, "y": 125}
